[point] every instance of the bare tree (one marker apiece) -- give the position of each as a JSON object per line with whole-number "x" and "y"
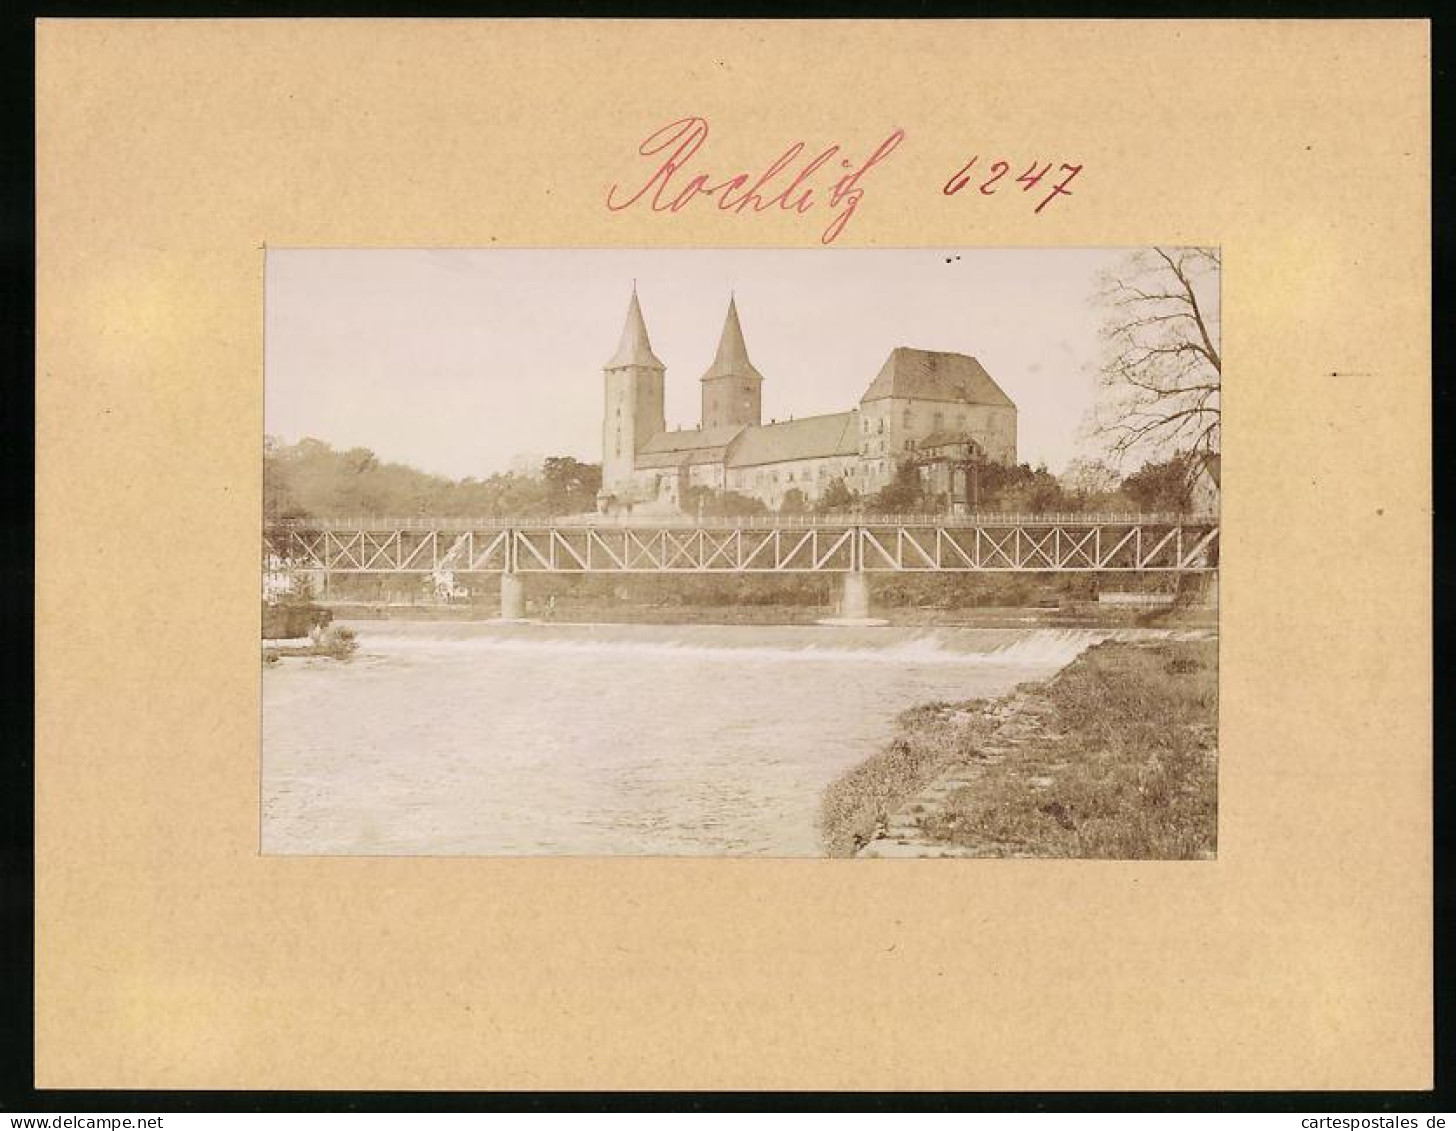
{"x": 1161, "y": 371}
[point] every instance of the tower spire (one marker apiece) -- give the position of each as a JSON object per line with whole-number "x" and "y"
{"x": 634, "y": 348}
{"x": 732, "y": 387}
{"x": 732, "y": 357}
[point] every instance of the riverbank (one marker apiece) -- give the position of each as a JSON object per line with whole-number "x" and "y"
{"x": 337, "y": 642}
{"x": 1114, "y": 757}
{"x": 1084, "y": 615}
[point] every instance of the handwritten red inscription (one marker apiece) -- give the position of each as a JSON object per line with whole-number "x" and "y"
{"x": 786, "y": 183}
{"x": 1028, "y": 180}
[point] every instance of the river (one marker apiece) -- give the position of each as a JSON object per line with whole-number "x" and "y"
{"x": 479, "y": 739}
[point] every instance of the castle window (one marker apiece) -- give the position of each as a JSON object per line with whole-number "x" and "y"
{"x": 907, "y": 418}
{"x": 939, "y": 421}
{"x": 880, "y": 427}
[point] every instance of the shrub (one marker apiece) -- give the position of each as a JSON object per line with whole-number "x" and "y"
{"x": 338, "y": 641}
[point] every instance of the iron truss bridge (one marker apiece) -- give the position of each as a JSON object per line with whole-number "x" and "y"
{"x": 914, "y": 544}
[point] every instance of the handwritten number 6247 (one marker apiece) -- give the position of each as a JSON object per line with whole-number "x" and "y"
{"x": 1028, "y": 180}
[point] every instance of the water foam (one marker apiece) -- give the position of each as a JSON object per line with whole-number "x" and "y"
{"x": 1050, "y": 647}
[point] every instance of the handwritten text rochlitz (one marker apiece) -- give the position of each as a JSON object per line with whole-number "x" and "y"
{"x": 785, "y": 183}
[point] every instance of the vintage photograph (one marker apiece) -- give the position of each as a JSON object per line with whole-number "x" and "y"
{"x": 759, "y": 552}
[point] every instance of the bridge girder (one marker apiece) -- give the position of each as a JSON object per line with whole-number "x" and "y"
{"x": 1102, "y": 546}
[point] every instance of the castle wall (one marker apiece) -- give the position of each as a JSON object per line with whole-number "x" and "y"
{"x": 771, "y": 481}
{"x": 707, "y": 475}
{"x": 889, "y": 428}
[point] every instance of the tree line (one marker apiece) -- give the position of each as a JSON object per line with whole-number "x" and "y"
{"x": 1160, "y": 485}
{"x": 311, "y": 479}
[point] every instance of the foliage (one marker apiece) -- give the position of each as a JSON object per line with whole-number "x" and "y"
{"x": 794, "y": 502}
{"x": 1162, "y": 369}
{"x": 1125, "y": 768}
{"x": 929, "y": 740}
{"x": 1163, "y": 487}
{"x": 1021, "y": 489}
{"x": 576, "y": 484}
{"x": 311, "y": 479}
{"x": 338, "y": 641}
{"x": 904, "y": 494}
{"x": 836, "y": 497}
{"x": 721, "y": 504}
{"x": 1092, "y": 486}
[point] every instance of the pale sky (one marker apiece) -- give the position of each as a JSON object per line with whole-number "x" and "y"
{"x": 462, "y": 362}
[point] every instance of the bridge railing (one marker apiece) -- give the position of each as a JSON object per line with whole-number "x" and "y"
{"x": 747, "y": 522}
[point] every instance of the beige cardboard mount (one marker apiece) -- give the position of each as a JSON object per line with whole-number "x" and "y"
{"x": 172, "y": 955}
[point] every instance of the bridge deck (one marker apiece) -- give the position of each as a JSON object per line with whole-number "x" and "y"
{"x": 872, "y": 544}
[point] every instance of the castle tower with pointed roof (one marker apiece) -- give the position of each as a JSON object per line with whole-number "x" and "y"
{"x": 634, "y": 405}
{"x": 732, "y": 387}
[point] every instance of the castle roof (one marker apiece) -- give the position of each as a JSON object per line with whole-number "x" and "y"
{"x": 810, "y": 437}
{"x": 634, "y": 348}
{"x": 732, "y": 357}
{"x": 946, "y": 439}
{"x": 929, "y": 375}
{"x": 688, "y": 446}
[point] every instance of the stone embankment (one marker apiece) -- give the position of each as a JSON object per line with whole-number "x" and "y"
{"x": 1017, "y": 719}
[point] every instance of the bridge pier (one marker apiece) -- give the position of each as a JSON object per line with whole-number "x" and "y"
{"x": 855, "y": 604}
{"x": 513, "y": 596}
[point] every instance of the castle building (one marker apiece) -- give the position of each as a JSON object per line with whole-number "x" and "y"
{"x": 921, "y": 404}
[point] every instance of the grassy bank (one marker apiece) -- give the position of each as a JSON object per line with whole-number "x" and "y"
{"x": 1115, "y": 757}
{"x": 929, "y": 740}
